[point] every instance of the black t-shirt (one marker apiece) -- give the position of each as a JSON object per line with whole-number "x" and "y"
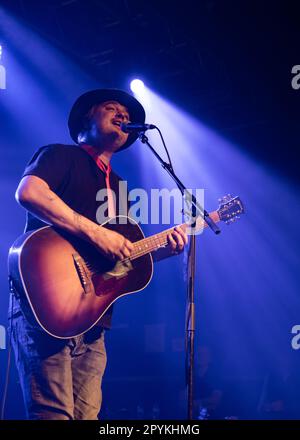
{"x": 74, "y": 176}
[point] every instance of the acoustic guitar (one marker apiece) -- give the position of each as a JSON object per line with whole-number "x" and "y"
{"x": 69, "y": 284}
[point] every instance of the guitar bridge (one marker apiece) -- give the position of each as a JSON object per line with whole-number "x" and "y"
{"x": 83, "y": 274}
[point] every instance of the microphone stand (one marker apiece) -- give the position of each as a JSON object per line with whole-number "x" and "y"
{"x": 197, "y": 210}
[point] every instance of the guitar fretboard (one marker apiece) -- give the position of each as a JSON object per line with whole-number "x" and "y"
{"x": 156, "y": 241}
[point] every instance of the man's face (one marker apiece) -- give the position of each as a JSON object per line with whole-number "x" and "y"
{"x": 105, "y": 125}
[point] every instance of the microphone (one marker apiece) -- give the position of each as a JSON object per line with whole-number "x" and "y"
{"x": 131, "y": 128}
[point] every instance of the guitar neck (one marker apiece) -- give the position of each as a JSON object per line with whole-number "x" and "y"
{"x": 154, "y": 242}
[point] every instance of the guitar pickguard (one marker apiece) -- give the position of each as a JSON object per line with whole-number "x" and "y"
{"x": 120, "y": 270}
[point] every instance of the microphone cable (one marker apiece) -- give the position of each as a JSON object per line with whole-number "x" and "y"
{"x": 165, "y": 147}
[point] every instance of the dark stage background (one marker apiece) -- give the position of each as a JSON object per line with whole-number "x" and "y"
{"x": 225, "y": 67}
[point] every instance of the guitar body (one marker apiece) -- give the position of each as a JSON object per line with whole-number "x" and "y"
{"x": 69, "y": 285}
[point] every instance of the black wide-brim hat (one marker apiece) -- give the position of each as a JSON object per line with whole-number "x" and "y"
{"x": 86, "y": 101}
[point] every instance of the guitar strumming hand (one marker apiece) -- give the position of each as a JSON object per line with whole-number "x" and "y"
{"x": 111, "y": 244}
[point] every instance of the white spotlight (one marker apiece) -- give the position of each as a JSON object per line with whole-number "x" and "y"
{"x": 137, "y": 85}
{"x": 2, "y": 72}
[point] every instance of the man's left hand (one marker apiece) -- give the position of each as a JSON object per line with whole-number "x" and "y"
{"x": 177, "y": 239}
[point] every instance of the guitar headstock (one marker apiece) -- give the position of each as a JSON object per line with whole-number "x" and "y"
{"x": 230, "y": 208}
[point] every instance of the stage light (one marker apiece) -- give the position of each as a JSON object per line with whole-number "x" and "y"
{"x": 137, "y": 86}
{"x": 2, "y": 72}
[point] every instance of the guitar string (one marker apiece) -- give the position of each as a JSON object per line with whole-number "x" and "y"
{"x": 154, "y": 240}
{"x": 143, "y": 251}
{"x": 134, "y": 256}
{"x": 215, "y": 216}
{"x": 143, "y": 248}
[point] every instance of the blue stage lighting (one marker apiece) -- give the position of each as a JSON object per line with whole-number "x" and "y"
{"x": 2, "y": 72}
{"x": 137, "y": 86}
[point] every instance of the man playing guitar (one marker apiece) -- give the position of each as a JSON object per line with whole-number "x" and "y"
{"x": 61, "y": 369}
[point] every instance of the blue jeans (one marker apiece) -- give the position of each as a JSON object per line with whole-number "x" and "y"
{"x": 60, "y": 378}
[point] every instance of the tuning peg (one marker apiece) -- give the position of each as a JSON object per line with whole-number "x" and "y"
{"x": 232, "y": 220}
{"x": 226, "y": 199}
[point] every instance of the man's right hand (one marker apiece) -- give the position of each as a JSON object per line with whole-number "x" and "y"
{"x": 111, "y": 244}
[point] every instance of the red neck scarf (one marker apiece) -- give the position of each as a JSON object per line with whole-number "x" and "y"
{"x": 92, "y": 151}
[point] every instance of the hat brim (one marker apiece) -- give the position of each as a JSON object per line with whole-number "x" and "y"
{"x": 86, "y": 101}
